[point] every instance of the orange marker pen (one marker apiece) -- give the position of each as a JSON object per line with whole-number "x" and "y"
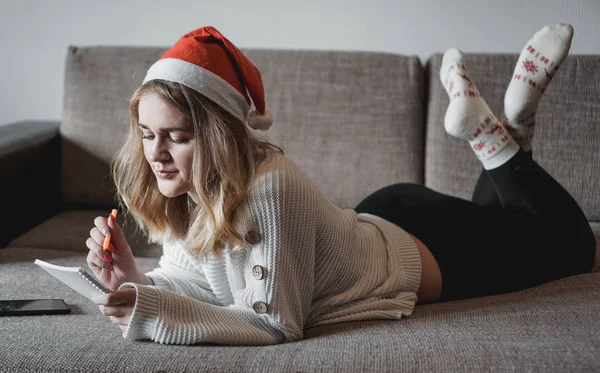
{"x": 107, "y": 238}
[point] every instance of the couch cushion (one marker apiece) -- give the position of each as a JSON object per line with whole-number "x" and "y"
{"x": 352, "y": 120}
{"x": 552, "y": 327}
{"x": 566, "y": 135}
{"x": 98, "y": 84}
{"x": 70, "y": 229}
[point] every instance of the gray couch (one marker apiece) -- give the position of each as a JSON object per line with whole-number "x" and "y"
{"x": 354, "y": 122}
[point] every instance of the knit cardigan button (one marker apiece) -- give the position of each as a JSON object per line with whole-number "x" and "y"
{"x": 253, "y": 237}
{"x": 258, "y": 272}
{"x": 260, "y": 307}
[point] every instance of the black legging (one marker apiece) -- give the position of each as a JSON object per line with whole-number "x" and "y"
{"x": 521, "y": 229}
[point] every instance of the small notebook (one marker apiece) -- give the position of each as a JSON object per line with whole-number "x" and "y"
{"x": 76, "y": 278}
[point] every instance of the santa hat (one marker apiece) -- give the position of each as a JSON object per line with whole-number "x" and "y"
{"x": 207, "y": 62}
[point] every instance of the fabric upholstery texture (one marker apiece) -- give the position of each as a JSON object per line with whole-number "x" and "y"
{"x": 339, "y": 113}
{"x": 69, "y": 230}
{"x": 553, "y": 327}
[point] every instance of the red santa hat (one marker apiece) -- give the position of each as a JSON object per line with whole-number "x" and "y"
{"x": 207, "y": 62}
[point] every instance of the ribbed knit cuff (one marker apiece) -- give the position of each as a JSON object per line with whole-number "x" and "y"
{"x": 411, "y": 261}
{"x": 406, "y": 252}
{"x": 144, "y": 319}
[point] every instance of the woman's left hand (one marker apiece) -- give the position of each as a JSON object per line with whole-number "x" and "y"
{"x": 118, "y": 306}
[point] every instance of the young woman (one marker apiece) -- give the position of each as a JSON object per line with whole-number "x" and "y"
{"x": 254, "y": 253}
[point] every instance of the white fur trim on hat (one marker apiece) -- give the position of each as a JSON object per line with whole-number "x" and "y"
{"x": 202, "y": 80}
{"x": 260, "y": 122}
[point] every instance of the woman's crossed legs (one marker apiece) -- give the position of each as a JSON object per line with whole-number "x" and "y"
{"x": 522, "y": 228}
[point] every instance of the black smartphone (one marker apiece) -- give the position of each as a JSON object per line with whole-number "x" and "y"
{"x": 28, "y": 307}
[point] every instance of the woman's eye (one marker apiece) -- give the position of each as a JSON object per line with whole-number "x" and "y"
{"x": 175, "y": 141}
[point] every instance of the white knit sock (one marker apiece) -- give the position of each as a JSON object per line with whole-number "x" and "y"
{"x": 539, "y": 60}
{"x": 469, "y": 117}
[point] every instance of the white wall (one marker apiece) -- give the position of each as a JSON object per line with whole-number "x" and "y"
{"x": 34, "y": 34}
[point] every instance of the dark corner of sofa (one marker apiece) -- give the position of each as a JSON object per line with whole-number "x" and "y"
{"x": 29, "y": 175}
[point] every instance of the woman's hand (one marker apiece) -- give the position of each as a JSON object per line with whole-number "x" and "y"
{"x": 118, "y": 306}
{"x": 116, "y": 265}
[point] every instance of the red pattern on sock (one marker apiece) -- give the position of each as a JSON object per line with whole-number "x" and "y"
{"x": 538, "y": 86}
{"x": 537, "y": 55}
{"x": 477, "y": 147}
{"x": 530, "y": 67}
{"x": 495, "y": 127}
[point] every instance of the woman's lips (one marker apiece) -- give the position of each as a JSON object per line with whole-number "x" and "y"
{"x": 165, "y": 174}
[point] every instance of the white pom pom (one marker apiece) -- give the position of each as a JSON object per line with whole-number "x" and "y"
{"x": 260, "y": 122}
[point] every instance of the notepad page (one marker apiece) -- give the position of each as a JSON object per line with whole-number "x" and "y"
{"x": 74, "y": 278}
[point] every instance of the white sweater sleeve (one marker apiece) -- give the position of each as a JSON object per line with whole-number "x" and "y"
{"x": 176, "y": 273}
{"x": 283, "y": 207}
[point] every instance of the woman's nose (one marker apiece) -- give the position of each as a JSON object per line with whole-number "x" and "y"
{"x": 158, "y": 151}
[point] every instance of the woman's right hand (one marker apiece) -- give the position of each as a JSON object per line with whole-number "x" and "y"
{"x": 116, "y": 265}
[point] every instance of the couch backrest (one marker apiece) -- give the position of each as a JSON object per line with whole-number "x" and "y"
{"x": 567, "y": 134}
{"x": 352, "y": 120}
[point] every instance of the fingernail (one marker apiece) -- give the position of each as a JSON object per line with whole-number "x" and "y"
{"x": 107, "y": 257}
{"x": 110, "y": 267}
{"x": 111, "y": 248}
{"x": 104, "y": 231}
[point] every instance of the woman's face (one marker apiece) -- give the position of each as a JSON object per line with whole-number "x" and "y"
{"x": 168, "y": 144}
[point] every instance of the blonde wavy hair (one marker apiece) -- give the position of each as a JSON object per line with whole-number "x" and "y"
{"x": 226, "y": 155}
